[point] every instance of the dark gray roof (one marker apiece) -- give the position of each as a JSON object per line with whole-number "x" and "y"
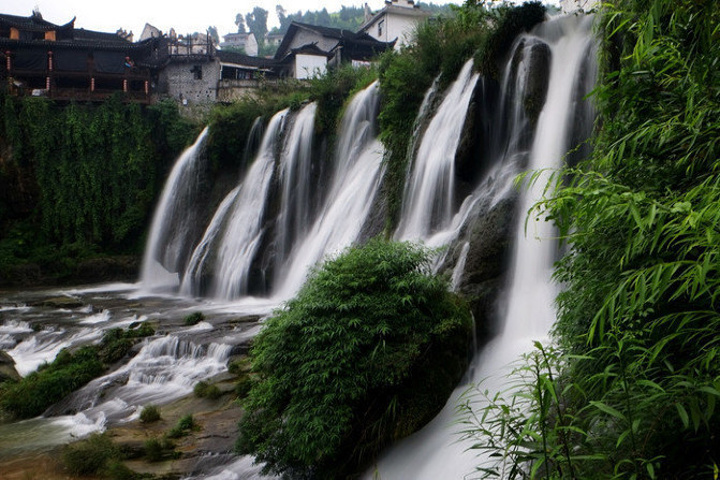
{"x": 34, "y": 22}
{"x": 358, "y": 42}
{"x": 241, "y": 59}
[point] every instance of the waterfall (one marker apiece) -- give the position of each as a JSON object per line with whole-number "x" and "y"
{"x": 429, "y": 197}
{"x": 174, "y": 221}
{"x": 229, "y": 244}
{"x": 352, "y": 190}
{"x": 436, "y": 451}
{"x": 296, "y": 181}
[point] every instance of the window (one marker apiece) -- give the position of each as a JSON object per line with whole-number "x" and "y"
{"x": 381, "y": 25}
{"x": 197, "y": 72}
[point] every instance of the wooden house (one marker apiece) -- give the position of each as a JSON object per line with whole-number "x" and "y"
{"x": 66, "y": 63}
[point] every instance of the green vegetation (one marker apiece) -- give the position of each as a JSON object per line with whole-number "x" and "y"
{"x": 88, "y": 177}
{"x": 90, "y": 456}
{"x": 183, "y": 427}
{"x": 442, "y": 47}
{"x": 631, "y": 391}
{"x": 193, "y": 318}
{"x": 50, "y": 383}
{"x": 69, "y": 371}
{"x": 366, "y": 353}
{"x": 160, "y": 449}
{"x": 150, "y": 414}
{"x": 206, "y": 390}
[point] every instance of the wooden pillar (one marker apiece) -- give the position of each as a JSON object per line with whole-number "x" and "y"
{"x": 92, "y": 84}
{"x": 125, "y": 85}
{"x": 8, "y": 60}
{"x": 50, "y": 60}
{"x": 147, "y": 87}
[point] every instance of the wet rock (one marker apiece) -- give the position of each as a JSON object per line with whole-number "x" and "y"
{"x": 490, "y": 236}
{"x": 59, "y": 302}
{"x": 538, "y": 58}
{"x": 474, "y": 153}
{"x": 7, "y": 368}
{"x": 106, "y": 269}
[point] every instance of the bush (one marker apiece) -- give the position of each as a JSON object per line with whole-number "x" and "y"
{"x": 117, "y": 343}
{"x": 193, "y": 318}
{"x": 116, "y": 470}
{"x": 33, "y": 394}
{"x": 205, "y": 390}
{"x": 351, "y": 363}
{"x": 242, "y": 388}
{"x": 158, "y": 449}
{"x": 150, "y": 414}
{"x": 90, "y": 456}
{"x": 183, "y": 427}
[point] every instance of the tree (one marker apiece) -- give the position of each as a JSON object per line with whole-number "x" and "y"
{"x": 282, "y": 18}
{"x": 213, "y": 32}
{"x": 240, "y": 22}
{"x": 257, "y": 23}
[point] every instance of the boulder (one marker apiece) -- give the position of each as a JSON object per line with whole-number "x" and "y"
{"x": 7, "y": 368}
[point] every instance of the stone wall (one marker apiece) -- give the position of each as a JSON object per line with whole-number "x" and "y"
{"x": 191, "y": 83}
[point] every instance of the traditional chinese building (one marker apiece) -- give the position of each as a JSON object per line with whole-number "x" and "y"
{"x": 395, "y": 22}
{"x": 308, "y": 50}
{"x": 66, "y": 63}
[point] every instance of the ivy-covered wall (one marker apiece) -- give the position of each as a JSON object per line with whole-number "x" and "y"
{"x": 80, "y": 180}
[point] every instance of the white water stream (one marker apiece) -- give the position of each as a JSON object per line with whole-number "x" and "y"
{"x": 436, "y": 451}
{"x": 173, "y": 221}
{"x": 230, "y": 242}
{"x": 352, "y": 191}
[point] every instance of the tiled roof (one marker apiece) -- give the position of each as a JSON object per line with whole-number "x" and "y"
{"x": 32, "y": 23}
{"x": 241, "y": 59}
{"x": 359, "y": 41}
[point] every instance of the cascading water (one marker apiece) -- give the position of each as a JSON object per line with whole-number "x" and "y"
{"x": 230, "y": 242}
{"x": 429, "y": 199}
{"x": 296, "y": 179}
{"x": 352, "y": 191}
{"x": 436, "y": 451}
{"x": 169, "y": 241}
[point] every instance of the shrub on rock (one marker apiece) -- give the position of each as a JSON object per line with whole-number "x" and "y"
{"x": 367, "y": 352}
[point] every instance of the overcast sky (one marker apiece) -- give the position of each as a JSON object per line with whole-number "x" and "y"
{"x": 186, "y": 16}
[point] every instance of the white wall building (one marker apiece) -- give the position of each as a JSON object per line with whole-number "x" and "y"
{"x": 395, "y": 22}
{"x": 246, "y": 41}
{"x": 569, "y": 6}
{"x": 309, "y": 66}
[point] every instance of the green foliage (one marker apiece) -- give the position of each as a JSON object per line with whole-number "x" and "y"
{"x": 183, "y": 427}
{"x": 230, "y": 127}
{"x": 68, "y": 372}
{"x": 90, "y": 456}
{"x": 639, "y": 317}
{"x": 206, "y": 390}
{"x": 150, "y": 414}
{"x": 117, "y": 343}
{"x": 508, "y": 23}
{"x": 159, "y": 449}
{"x": 344, "y": 368}
{"x": 193, "y": 318}
{"x": 332, "y": 90}
{"x": 97, "y": 170}
{"x": 37, "y": 391}
{"x": 116, "y": 470}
